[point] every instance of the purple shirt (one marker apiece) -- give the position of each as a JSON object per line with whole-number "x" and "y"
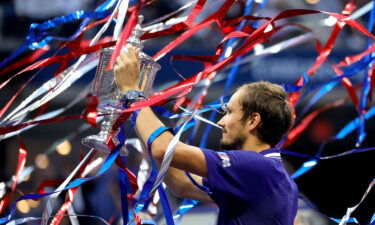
{"x": 251, "y": 188}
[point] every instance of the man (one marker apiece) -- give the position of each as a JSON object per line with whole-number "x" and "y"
{"x": 248, "y": 183}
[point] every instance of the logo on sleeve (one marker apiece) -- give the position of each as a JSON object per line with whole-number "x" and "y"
{"x": 224, "y": 158}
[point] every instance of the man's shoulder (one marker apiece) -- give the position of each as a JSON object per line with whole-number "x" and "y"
{"x": 238, "y": 158}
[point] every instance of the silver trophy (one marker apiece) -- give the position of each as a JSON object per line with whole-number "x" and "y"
{"x": 109, "y": 94}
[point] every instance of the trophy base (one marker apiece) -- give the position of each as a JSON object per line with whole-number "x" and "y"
{"x": 98, "y": 143}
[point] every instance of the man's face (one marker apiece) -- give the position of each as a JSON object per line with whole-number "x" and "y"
{"x": 234, "y": 133}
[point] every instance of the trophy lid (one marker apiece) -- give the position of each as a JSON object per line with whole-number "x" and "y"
{"x": 136, "y": 34}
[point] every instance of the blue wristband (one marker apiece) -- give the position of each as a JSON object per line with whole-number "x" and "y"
{"x": 156, "y": 134}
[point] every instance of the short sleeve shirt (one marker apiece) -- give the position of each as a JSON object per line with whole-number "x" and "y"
{"x": 250, "y": 188}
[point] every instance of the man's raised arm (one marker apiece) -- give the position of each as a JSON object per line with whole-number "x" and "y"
{"x": 186, "y": 157}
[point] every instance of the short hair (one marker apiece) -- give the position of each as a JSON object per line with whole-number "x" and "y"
{"x": 269, "y": 100}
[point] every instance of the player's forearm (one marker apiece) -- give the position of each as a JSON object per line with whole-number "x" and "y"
{"x": 176, "y": 180}
{"x": 147, "y": 123}
{"x": 182, "y": 187}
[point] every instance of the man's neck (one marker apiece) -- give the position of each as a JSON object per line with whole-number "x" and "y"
{"x": 254, "y": 144}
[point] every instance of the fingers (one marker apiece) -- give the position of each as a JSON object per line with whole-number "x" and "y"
{"x": 128, "y": 59}
{"x": 130, "y": 55}
{"x": 137, "y": 53}
{"x": 127, "y": 69}
{"x": 133, "y": 54}
{"x": 118, "y": 61}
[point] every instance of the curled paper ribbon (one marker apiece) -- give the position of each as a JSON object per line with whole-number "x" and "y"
{"x": 252, "y": 37}
{"x": 22, "y": 153}
{"x": 37, "y": 37}
{"x": 91, "y": 112}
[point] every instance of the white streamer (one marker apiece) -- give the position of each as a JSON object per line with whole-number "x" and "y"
{"x": 295, "y": 40}
{"x": 49, "y": 115}
{"x": 48, "y": 210}
{"x": 187, "y": 112}
{"x": 169, "y": 155}
{"x": 69, "y": 76}
{"x": 350, "y": 210}
{"x": 99, "y": 34}
{"x": 156, "y": 25}
{"x": 73, "y": 219}
{"x": 30, "y": 219}
{"x": 120, "y": 19}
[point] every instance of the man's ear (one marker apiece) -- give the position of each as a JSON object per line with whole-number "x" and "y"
{"x": 254, "y": 121}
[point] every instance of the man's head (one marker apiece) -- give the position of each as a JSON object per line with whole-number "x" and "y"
{"x": 258, "y": 109}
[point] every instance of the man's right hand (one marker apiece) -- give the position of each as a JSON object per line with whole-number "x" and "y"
{"x": 127, "y": 69}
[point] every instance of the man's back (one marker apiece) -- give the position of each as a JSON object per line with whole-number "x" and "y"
{"x": 251, "y": 188}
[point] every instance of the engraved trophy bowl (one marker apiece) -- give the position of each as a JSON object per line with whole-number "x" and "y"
{"x": 109, "y": 95}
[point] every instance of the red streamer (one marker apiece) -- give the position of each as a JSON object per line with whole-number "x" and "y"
{"x": 25, "y": 61}
{"x": 297, "y": 131}
{"x": 132, "y": 21}
{"x": 68, "y": 202}
{"x": 188, "y": 23}
{"x": 91, "y": 110}
{"x": 324, "y": 53}
{"x": 22, "y": 153}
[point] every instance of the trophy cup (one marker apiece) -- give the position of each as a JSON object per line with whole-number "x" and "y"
{"x": 109, "y": 94}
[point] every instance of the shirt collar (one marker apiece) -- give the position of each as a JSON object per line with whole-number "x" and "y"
{"x": 273, "y": 153}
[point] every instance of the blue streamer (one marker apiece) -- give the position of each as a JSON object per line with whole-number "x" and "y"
{"x": 348, "y": 72}
{"x": 308, "y": 165}
{"x": 208, "y": 108}
{"x": 341, "y": 134}
{"x": 370, "y": 24}
{"x": 186, "y": 206}
{"x": 260, "y": 7}
{"x": 103, "y": 7}
{"x": 352, "y": 151}
{"x": 153, "y": 174}
{"x": 161, "y": 111}
{"x": 203, "y": 188}
{"x": 351, "y": 220}
{"x": 77, "y": 182}
{"x": 327, "y": 86}
{"x": 361, "y": 134}
{"x": 228, "y": 84}
{"x": 37, "y": 37}
{"x": 309, "y": 204}
{"x": 218, "y": 104}
{"x": 187, "y": 126}
{"x": 165, "y": 204}
{"x": 324, "y": 90}
{"x": 124, "y": 184}
{"x": 313, "y": 160}
{"x": 362, "y": 104}
{"x": 296, "y": 88}
{"x": 145, "y": 194}
{"x": 231, "y": 76}
{"x": 354, "y": 124}
{"x": 305, "y": 167}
